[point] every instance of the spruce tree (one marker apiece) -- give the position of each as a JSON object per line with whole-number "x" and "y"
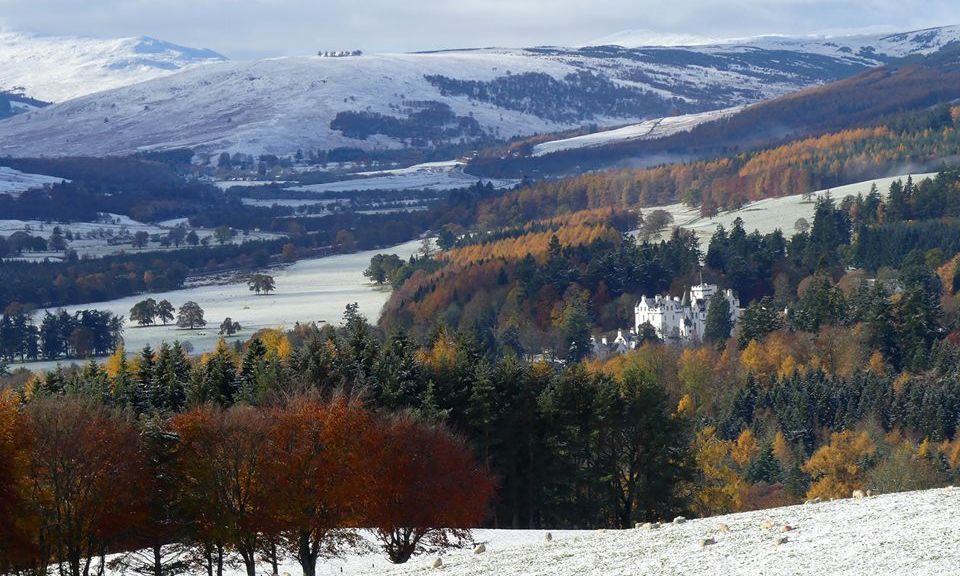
{"x": 718, "y": 325}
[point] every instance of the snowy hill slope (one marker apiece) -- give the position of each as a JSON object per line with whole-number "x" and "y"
{"x": 399, "y": 100}
{"x": 646, "y": 130}
{"x": 915, "y": 533}
{"x": 14, "y": 182}
{"x": 869, "y": 46}
{"x": 54, "y": 69}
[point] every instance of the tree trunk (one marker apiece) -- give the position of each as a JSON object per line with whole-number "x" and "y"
{"x": 273, "y": 557}
{"x": 249, "y": 561}
{"x": 305, "y": 555}
{"x": 157, "y": 560}
{"x": 74, "y": 565}
{"x": 219, "y": 559}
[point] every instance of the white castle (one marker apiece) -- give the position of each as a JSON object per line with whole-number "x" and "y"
{"x": 682, "y": 319}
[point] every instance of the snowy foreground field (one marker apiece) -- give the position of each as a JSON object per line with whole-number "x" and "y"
{"x": 912, "y": 533}
{"x": 315, "y": 290}
{"x": 772, "y": 213}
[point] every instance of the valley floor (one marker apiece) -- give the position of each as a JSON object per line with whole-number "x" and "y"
{"x": 313, "y": 290}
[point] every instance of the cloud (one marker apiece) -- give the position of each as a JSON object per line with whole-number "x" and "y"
{"x": 251, "y": 28}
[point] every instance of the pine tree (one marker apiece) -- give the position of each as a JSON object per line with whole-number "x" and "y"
{"x": 718, "y": 325}
{"x": 397, "y": 382}
{"x": 145, "y": 391}
{"x": 251, "y": 370}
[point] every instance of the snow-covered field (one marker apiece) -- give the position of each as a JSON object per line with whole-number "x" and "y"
{"x": 434, "y": 176}
{"x": 91, "y": 238}
{"x": 648, "y": 130}
{"x": 309, "y": 290}
{"x": 772, "y": 213}
{"x": 911, "y": 533}
{"x": 915, "y": 533}
{"x": 14, "y": 182}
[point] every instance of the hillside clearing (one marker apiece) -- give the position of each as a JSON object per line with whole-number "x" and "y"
{"x": 772, "y": 213}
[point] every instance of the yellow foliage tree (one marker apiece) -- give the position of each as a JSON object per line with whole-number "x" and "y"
{"x": 746, "y": 449}
{"x": 837, "y": 468}
{"x": 720, "y": 486}
{"x": 686, "y": 407}
{"x": 113, "y": 363}
{"x": 783, "y": 451}
{"x": 694, "y": 371}
{"x": 876, "y": 364}
{"x": 276, "y": 343}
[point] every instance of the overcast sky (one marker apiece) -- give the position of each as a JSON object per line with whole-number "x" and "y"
{"x": 254, "y": 28}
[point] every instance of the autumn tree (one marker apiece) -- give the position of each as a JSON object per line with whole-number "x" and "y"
{"x": 319, "y": 458}
{"x": 85, "y": 476}
{"x": 223, "y": 462}
{"x": 427, "y": 490}
{"x": 15, "y": 523}
{"x": 839, "y": 468}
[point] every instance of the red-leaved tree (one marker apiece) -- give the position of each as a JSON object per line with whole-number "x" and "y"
{"x": 427, "y": 491}
{"x": 319, "y": 462}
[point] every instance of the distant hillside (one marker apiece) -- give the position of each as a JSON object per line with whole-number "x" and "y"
{"x": 455, "y": 97}
{"x": 911, "y": 84}
{"x": 54, "y": 69}
{"x": 16, "y": 103}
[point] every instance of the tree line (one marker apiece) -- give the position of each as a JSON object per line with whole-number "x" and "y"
{"x": 296, "y": 479}
{"x": 60, "y": 334}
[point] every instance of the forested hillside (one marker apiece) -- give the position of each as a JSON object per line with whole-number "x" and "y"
{"x": 875, "y": 98}
{"x": 927, "y": 139}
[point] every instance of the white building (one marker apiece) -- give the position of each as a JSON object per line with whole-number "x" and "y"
{"x": 684, "y": 318}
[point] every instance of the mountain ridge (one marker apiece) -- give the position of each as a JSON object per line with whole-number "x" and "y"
{"x": 454, "y": 97}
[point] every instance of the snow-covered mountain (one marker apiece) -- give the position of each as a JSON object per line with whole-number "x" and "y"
{"x": 54, "y": 69}
{"x": 868, "y": 45}
{"x": 385, "y": 101}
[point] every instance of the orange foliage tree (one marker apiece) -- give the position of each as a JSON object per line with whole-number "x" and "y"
{"x": 14, "y": 542}
{"x": 84, "y": 474}
{"x": 223, "y": 463}
{"x": 319, "y": 457}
